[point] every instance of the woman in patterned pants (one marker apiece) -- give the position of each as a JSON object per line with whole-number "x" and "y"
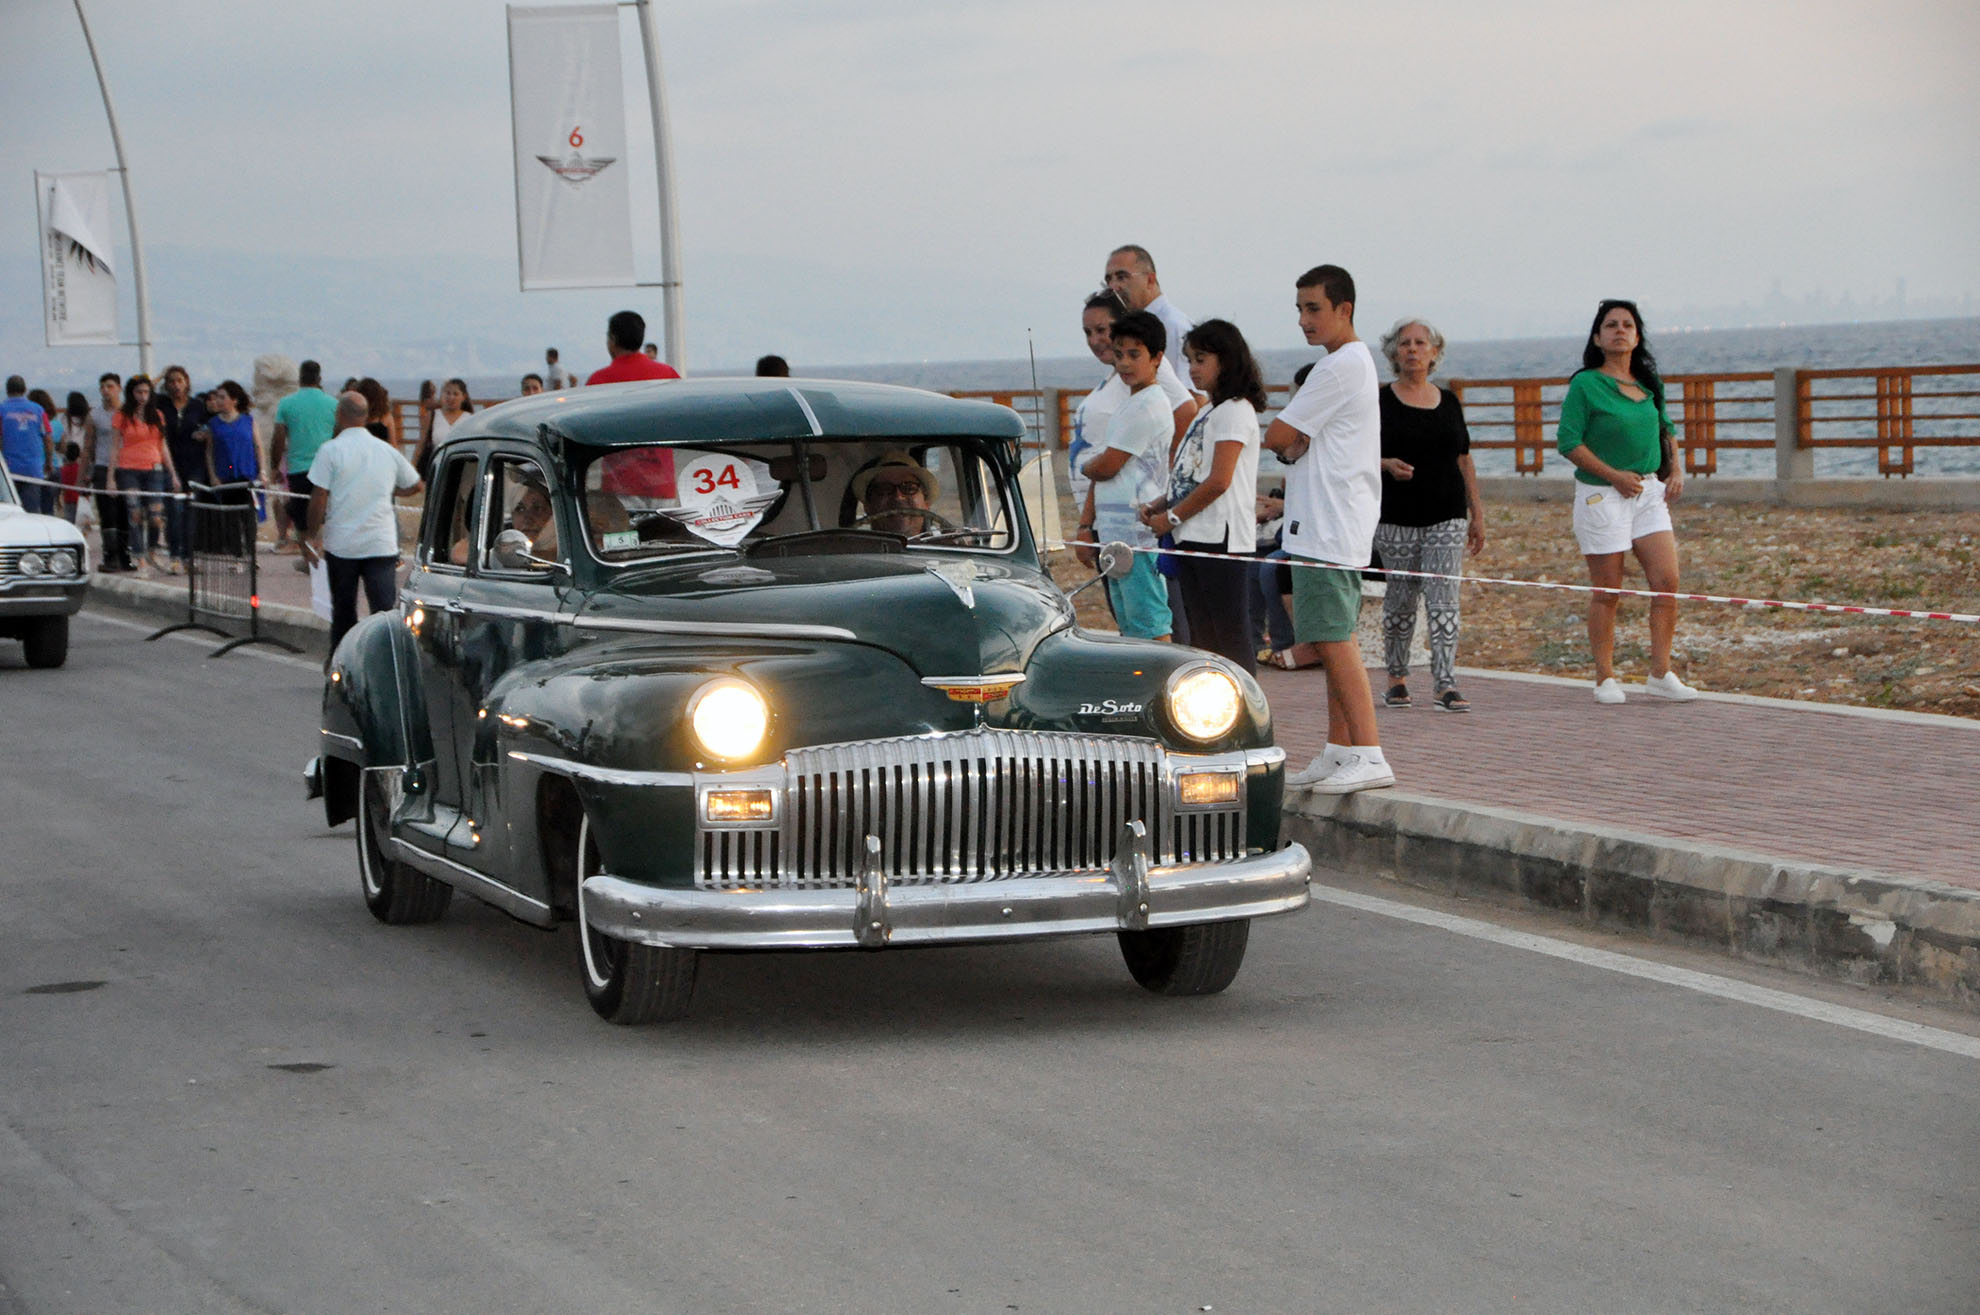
{"x": 1430, "y": 511}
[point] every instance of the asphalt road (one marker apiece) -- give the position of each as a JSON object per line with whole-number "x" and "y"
{"x": 270, "y": 1102}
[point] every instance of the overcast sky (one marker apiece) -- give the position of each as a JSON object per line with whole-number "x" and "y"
{"x": 870, "y": 181}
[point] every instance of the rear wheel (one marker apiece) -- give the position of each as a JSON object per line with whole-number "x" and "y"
{"x": 626, "y": 982}
{"x": 395, "y": 892}
{"x": 46, "y": 641}
{"x": 1196, "y": 960}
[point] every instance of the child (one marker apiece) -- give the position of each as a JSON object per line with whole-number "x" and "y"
{"x": 71, "y": 477}
{"x": 1131, "y": 470}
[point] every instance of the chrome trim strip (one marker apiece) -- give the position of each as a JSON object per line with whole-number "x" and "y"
{"x": 964, "y": 682}
{"x": 751, "y": 628}
{"x": 477, "y": 884}
{"x": 817, "y": 430}
{"x": 603, "y": 775}
{"x": 348, "y": 741}
{"x": 1051, "y": 905}
{"x": 517, "y": 613}
{"x": 1269, "y": 756}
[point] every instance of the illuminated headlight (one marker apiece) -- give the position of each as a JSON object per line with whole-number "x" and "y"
{"x": 729, "y": 719}
{"x": 1204, "y": 702}
{"x": 33, "y": 563}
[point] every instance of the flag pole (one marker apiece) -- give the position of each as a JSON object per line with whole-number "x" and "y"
{"x": 673, "y": 340}
{"x": 130, "y": 206}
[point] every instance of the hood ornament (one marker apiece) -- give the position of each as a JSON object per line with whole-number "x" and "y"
{"x": 959, "y": 576}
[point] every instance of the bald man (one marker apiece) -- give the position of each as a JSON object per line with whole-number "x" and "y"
{"x": 353, "y": 528}
{"x": 1130, "y": 275}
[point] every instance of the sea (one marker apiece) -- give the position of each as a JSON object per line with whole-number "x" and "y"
{"x": 1807, "y": 347}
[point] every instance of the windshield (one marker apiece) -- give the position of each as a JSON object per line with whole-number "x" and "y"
{"x": 888, "y": 495}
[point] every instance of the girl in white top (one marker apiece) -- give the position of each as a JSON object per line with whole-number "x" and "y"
{"x": 1213, "y": 484}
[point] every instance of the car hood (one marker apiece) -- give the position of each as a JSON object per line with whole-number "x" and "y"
{"x": 21, "y": 528}
{"x": 944, "y": 615}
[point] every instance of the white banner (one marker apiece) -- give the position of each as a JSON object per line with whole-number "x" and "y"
{"x": 567, "y": 96}
{"x": 78, "y": 284}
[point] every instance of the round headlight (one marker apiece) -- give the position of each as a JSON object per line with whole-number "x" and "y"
{"x": 1204, "y": 702}
{"x": 63, "y": 562}
{"x": 32, "y": 563}
{"x": 729, "y": 718}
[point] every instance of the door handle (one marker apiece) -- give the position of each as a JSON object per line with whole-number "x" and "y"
{"x": 453, "y": 608}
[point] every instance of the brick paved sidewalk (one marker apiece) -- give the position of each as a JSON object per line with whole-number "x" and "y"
{"x": 1885, "y": 794}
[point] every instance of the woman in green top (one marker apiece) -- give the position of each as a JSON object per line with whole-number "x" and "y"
{"x": 1615, "y": 430}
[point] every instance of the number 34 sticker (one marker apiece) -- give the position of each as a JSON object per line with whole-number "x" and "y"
{"x": 719, "y": 497}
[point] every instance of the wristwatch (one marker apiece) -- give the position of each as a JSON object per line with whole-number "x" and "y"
{"x": 1175, "y": 521}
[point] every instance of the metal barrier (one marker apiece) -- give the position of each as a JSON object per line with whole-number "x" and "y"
{"x": 222, "y": 570}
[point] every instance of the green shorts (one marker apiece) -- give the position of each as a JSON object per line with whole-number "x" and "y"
{"x": 1326, "y": 602}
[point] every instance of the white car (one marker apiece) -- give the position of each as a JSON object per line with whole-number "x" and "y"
{"x": 44, "y": 576}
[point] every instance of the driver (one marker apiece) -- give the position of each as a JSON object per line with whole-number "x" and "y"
{"x": 532, "y": 516}
{"x": 894, "y": 491}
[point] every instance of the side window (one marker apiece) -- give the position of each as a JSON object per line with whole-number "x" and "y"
{"x": 520, "y": 500}
{"x": 452, "y": 520}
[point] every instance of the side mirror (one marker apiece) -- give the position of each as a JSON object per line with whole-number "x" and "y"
{"x": 1116, "y": 560}
{"x": 512, "y": 553}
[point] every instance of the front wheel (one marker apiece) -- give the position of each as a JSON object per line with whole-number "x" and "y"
{"x": 395, "y": 892}
{"x": 626, "y": 982}
{"x": 1201, "y": 959}
{"x": 46, "y": 641}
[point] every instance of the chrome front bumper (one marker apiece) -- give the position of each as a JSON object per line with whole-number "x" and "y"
{"x": 1130, "y": 896}
{"x": 42, "y": 596}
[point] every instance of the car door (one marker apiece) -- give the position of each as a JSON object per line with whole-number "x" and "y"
{"x": 434, "y": 608}
{"x": 510, "y": 613}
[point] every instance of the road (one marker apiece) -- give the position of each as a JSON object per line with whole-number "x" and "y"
{"x": 256, "y": 1098}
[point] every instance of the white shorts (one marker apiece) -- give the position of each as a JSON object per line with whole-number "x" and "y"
{"x": 1605, "y": 521}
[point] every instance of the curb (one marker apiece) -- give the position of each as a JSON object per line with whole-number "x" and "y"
{"x": 1864, "y": 927}
{"x": 167, "y": 605}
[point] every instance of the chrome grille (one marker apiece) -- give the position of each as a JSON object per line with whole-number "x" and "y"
{"x": 973, "y": 806}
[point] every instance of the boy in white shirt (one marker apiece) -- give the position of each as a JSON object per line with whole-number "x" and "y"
{"x": 1130, "y": 471}
{"x": 1330, "y": 434}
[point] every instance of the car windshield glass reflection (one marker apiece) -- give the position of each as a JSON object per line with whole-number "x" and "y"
{"x": 641, "y": 502}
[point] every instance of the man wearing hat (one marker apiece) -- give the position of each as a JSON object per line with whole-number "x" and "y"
{"x": 893, "y": 491}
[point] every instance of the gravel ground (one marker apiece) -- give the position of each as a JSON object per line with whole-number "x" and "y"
{"x": 1915, "y": 560}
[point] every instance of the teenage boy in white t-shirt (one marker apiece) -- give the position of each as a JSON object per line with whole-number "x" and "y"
{"x": 1131, "y": 471}
{"x": 1330, "y": 434}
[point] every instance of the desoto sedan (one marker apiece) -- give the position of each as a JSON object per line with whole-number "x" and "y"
{"x": 774, "y": 665}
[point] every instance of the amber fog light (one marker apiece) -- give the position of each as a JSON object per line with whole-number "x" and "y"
{"x": 729, "y": 718}
{"x": 1204, "y": 701}
{"x": 1206, "y": 789}
{"x": 738, "y": 806}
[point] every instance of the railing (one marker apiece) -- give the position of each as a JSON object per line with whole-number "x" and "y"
{"x": 1830, "y": 403}
{"x": 1884, "y": 408}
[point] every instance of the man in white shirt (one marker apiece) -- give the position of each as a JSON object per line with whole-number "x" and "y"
{"x": 1097, "y": 407}
{"x": 1130, "y": 275}
{"x": 555, "y": 377}
{"x": 1330, "y": 434}
{"x": 353, "y": 529}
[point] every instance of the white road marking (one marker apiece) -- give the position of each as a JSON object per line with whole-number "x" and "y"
{"x": 1894, "y": 1029}
{"x": 209, "y": 640}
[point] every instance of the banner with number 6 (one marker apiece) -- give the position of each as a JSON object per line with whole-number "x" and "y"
{"x": 567, "y": 100}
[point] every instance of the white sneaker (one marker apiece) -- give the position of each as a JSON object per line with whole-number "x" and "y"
{"x": 1668, "y": 686}
{"x": 1326, "y": 764}
{"x": 1609, "y": 691}
{"x": 1359, "y": 772}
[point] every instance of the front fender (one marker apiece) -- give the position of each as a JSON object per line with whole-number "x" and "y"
{"x": 1079, "y": 680}
{"x": 374, "y": 713}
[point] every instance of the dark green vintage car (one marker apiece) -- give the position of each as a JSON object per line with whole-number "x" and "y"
{"x": 764, "y": 665}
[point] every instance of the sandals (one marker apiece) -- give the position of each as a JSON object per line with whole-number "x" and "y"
{"x": 1283, "y": 660}
{"x": 1452, "y": 701}
{"x": 1398, "y": 696}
